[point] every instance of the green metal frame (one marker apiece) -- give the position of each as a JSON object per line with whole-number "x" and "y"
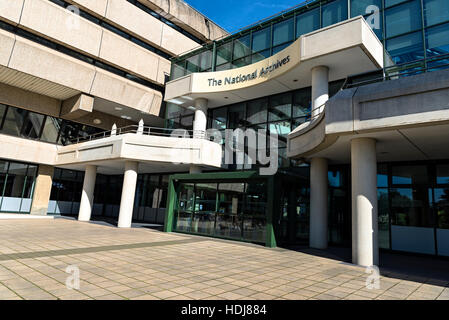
{"x": 217, "y": 177}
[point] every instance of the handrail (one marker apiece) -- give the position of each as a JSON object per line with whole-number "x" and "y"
{"x": 142, "y": 130}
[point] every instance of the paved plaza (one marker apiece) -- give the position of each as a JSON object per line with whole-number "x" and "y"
{"x": 143, "y": 263}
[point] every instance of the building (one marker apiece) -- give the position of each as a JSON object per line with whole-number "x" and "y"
{"x": 353, "y": 90}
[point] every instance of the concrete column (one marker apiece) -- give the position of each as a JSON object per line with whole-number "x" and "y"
{"x": 365, "y": 247}
{"x": 87, "y": 197}
{"x": 200, "y": 122}
{"x": 128, "y": 193}
{"x": 42, "y": 190}
{"x": 320, "y": 89}
{"x": 318, "y": 203}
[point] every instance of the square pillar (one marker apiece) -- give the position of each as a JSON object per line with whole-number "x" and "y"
{"x": 42, "y": 190}
{"x": 318, "y": 237}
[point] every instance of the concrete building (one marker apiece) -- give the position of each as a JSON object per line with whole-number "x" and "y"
{"x": 354, "y": 91}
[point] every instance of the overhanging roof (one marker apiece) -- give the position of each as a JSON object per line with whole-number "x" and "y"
{"x": 349, "y": 47}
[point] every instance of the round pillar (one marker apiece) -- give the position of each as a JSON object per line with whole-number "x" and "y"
{"x": 365, "y": 247}
{"x": 87, "y": 197}
{"x": 128, "y": 194}
{"x": 200, "y": 122}
{"x": 318, "y": 203}
{"x": 320, "y": 89}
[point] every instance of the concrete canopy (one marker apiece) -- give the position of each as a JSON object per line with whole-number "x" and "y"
{"x": 349, "y": 47}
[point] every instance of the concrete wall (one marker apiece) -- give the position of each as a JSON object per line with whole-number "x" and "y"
{"x": 406, "y": 102}
{"x": 58, "y": 24}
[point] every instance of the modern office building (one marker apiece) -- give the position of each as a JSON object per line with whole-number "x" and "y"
{"x": 355, "y": 90}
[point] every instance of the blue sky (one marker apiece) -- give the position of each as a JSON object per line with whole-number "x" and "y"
{"x": 235, "y": 14}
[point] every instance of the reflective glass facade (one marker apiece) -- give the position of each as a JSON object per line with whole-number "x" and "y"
{"x": 413, "y": 33}
{"x": 16, "y": 186}
{"x": 31, "y": 125}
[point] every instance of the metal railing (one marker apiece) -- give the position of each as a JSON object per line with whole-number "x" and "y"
{"x": 142, "y": 130}
{"x": 401, "y": 70}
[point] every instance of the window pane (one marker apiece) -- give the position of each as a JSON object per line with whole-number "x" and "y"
{"x": 407, "y": 175}
{"x": 443, "y": 174}
{"x": 206, "y": 60}
{"x": 261, "y": 39}
{"x": 302, "y": 101}
{"x": 282, "y": 32}
{"x": 3, "y": 170}
{"x": 224, "y": 53}
{"x": 360, "y": 7}
{"x": 31, "y": 174}
{"x": 178, "y": 70}
{"x": 205, "y": 207}
{"x": 242, "y": 62}
{"x": 254, "y": 224}
{"x": 185, "y": 207}
{"x": 16, "y": 180}
{"x": 280, "y": 107}
{"x": 257, "y": 111}
{"x": 13, "y": 121}
{"x": 241, "y": 47}
{"x": 219, "y": 117}
{"x": 335, "y": 12}
{"x": 410, "y": 207}
{"x": 389, "y": 3}
{"x": 51, "y": 130}
{"x": 435, "y": 11}
{"x": 32, "y": 125}
{"x": 237, "y": 116}
{"x": 406, "y": 48}
{"x": 193, "y": 64}
{"x": 281, "y": 47}
{"x": 442, "y": 207}
{"x": 403, "y": 18}
{"x": 230, "y": 208}
{"x": 282, "y": 128}
{"x": 307, "y": 22}
{"x": 384, "y": 218}
{"x": 2, "y": 113}
{"x": 260, "y": 56}
{"x": 437, "y": 40}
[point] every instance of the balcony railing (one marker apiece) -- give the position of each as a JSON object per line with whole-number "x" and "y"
{"x": 142, "y": 130}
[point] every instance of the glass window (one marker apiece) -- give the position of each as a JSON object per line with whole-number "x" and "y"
{"x": 406, "y": 48}
{"x": 224, "y": 53}
{"x": 389, "y": 3}
{"x": 257, "y": 111}
{"x": 193, "y": 64}
{"x": 442, "y": 207}
{"x": 283, "y": 32}
{"x": 32, "y": 125}
{"x": 281, "y": 47}
{"x": 361, "y": 7}
{"x": 436, "y": 11}
{"x": 282, "y": 128}
{"x": 206, "y": 60}
{"x": 51, "y": 130}
{"x": 437, "y": 40}
{"x": 335, "y": 12}
{"x": 13, "y": 121}
{"x": 410, "y": 207}
{"x": 205, "y": 208}
{"x": 443, "y": 174}
{"x": 230, "y": 208}
{"x": 186, "y": 200}
{"x": 307, "y": 22}
{"x": 242, "y": 62}
{"x": 3, "y": 171}
{"x": 236, "y": 116}
{"x": 219, "y": 117}
{"x": 403, "y": 18}
{"x": 242, "y": 47}
{"x": 260, "y": 56}
{"x": 335, "y": 178}
{"x": 2, "y": 114}
{"x": 382, "y": 176}
{"x": 28, "y": 188}
{"x": 383, "y": 218}
{"x": 409, "y": 175}
{"x": 280, "y": 107}
{"x": 16, "y": 180}
{"x": 254, "y": 214}
{"x": 178, "y": 70}
{"x": 261, "y": 39}
{"x": 302, "y": 101}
